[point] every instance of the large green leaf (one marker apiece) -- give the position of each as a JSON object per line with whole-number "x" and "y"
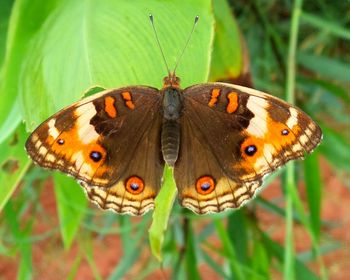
{"x": 27, "y": 17}
{"x": 110, "y": 43}
{"x": 5, "y": 12}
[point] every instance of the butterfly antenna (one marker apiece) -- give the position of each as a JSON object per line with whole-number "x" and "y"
{"x": 188, "y": 40}
{"x": 157, "y": 39}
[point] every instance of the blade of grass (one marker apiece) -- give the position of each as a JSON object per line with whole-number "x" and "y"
{"x": 260, "y": 261}
{"x": 229, "y": 249}
{"x": 288, "y": 269}
{"x": 325, "y": 66}
{"x": 276, "y": 250}
{"x": 130, "y": 257}
{"x": 314, "y": 191}
{"x": 326, "y": 25}
{"x": 191, "y": 264}
{"x": 336, "y": 147}
{"x": 247, "y": 270}
{"x": 87, "y": 248}
{"x": 127, "y": 242}
{"x": 74, "y": 268}
{"x": 239, "y": 235}
{"x": 71, "y": 204}
{"x": 217, "y": 268}
{"x": 21, "y": 234}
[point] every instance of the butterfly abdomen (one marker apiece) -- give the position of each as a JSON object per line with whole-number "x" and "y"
{"x": 172, "y": 106}
{"x": 170, "y": 141}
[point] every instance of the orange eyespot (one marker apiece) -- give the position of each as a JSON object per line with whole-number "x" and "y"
{"x": 134, "y": 185}
{"x": 252, "y": 148}
{"x": 205, "y": 185}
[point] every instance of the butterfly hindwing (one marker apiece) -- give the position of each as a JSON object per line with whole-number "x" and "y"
{"x": 231, "y": 138}
{"x": 110, "y": 142}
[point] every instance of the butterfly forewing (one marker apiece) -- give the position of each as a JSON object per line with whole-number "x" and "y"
{"x": 231, "y": 138}
{"x": 110, "y": 142}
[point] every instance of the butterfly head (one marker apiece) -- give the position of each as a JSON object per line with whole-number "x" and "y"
{"x": 171, "y": 81}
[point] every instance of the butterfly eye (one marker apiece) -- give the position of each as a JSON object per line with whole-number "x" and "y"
{"x": 95, "y": 156}
{"x": 205, "y": 185}
{"x": 60, "y": 141}
{"x": 285, "y": 132}
{"x": 134, "y": 185}
{"x": 250, "y": 150}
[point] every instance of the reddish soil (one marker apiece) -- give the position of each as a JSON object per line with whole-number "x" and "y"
{"x": 51, "y": 261}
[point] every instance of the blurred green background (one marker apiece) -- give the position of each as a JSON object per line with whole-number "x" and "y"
{"x": 52, "y": 51}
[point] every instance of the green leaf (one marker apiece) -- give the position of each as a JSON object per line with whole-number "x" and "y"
{"x": 11, "y": 122}
{"x": 163, "y": 205}
{"x": 191, "y": 263}
{"x": 336, "y": 147}
{"x": 238, "y": 234}
{"x": 14, "y": 163}
{"x": 289, "y": 253}
{"x": 276, "y": 250}
{"x": 5, "y": 12}
{"x": 110, "y": 43}
{"x": 326, "y": 25}
{"x": 314, "y": 191}
{"x": 227, "y": 47}
{"x": 131, "y": 256}
{"x": 20, "y": 33}
{"x": 87, "y": 245}
{"x": 74, "y": 267}
{"x": 217, "y": 268}
{"x": 229, "y": 250}
{"x": 260, "y": 261}
{"x": 71, "y": 204}
{"x": 325, "y": 66}
{"x": 21, "y": 233}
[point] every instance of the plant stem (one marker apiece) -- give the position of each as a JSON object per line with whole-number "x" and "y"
{"x": 288, "y": 270}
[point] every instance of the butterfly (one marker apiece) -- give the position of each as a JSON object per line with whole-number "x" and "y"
{"x": 220, "y": 139}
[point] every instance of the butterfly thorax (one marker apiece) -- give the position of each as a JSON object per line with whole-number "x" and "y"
{"x": 172, "y": 107}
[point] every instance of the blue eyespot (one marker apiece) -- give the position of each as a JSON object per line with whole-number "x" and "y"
{"x": 285, "y": 132}
{"x": 250, "y": 150}
{"x": 205, "y": 186}
{"x": 95, "y": 156}
{"x": 134, "y": 186}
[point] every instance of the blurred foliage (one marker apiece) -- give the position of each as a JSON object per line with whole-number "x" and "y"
{"x": 52, "y": 51}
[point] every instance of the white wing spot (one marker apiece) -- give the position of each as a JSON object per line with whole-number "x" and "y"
{"x": 258, "y": 124}
{"x": 293, "y": 119}
{"x": 53, "y": 131}
{"x": 87, "y": 133}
